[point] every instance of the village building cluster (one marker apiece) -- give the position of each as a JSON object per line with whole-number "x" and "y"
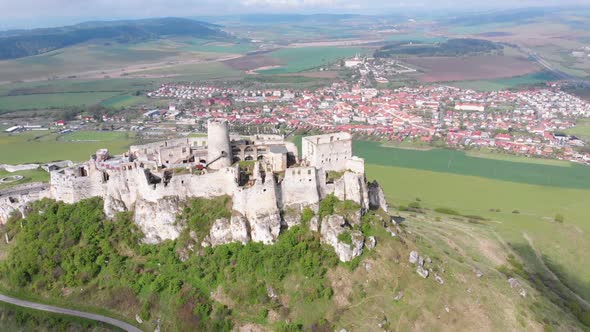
{"x": 529, "y": 122}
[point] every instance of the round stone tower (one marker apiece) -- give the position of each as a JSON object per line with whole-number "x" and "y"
{"x": 219, "y": 148}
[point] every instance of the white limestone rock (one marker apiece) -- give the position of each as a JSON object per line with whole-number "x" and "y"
{"x": 224, "y": 231}
{"x": 351, "y": 186}
{"x": 421, "y": 261}
{"x": 514, "y": 283}
{"x": 347, "y": 252}
{"x": 260, "y": 206}
{"x": 112, "y": 206}
{"x": 355, "y": 217}
{"x": 292, "y": 218}
{"x": 9, "y": 205}
{"x": 157, "y": 220}
{"x": 331, "y": 228}
{"x": 265, "y": 228}
{"x": 371, "y": 242}
{"x": 422, "y": 272}
{"x": 414, "y": 257}
{"x": 377, "y": 197}
{"x": 314, "y": 224}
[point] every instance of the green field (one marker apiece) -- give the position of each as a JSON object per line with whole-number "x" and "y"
{"x": 83, "y": 58}
{"x": 95, "y": 136}
{"x": 506, "y": 83}
{"x": 479, "y": 28}
{"x": 40, "y": 147}
{"x": 457, "y": 162}
{"x": 416, "y": 37}
{"x": 44, "y": 101}
{"x": 122, "y": 101}
{"x": 115, "y": 93}
{"x": 202, "y": 45}
{"x": 304, "y": 58}
{"x": 71, "y": 86}
{"x": 37, "y": 175}
{"x": 194, "y": 72}
{"x": 517, "y": 159}
{"x": 582, "y": 129}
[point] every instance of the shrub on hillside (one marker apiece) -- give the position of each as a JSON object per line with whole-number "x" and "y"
{"x": 414, "y": 205}
{"x": 345, "y": 237}
{"x": 448, "y": 211}
{"x": 306, "y": 215}
{"x": 559, "y": 218}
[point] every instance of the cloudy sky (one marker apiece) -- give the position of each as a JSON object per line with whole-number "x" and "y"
{"x": 33, "y": 13}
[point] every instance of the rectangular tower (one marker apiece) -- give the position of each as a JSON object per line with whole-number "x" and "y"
{"x": 329, "y": 151}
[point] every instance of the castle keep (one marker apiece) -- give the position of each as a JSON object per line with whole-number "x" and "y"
{"x": 262, "y": 174}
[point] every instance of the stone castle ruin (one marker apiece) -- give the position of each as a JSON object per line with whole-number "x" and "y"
{"x": 154, "y": 179}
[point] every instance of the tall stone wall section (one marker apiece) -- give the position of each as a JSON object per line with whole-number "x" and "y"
{"x": 300, "y": 188}
{"x": 70, "y": 187}
{"x": 330, "y": 151}
{"x": 258, "y": 204}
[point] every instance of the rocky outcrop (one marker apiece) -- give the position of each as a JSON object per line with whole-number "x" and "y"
{"x": 515, "y": 284}
{"x": 225, "y": 231}
{"x": 314, "y": 224}
{"x": 291, "y": 217}
{"x": 377, "y": 197}
{"x": 113, "y": 205}
{"x": 371, "y": 242}
{"x": 334, "y": 225}
{"x": 265, "y": 228}
{"x": 258, "y": 204}
{"x": 12, "y": 204}
{"x": 157, "y": 220}
{"x": 422, "y": 272}
{"x": 351, "y": 186}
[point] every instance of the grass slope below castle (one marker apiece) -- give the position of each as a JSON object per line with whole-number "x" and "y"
{"x": 526, "y": 211}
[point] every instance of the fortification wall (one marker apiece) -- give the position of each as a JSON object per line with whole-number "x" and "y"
{"x": 70, "y": 187}
{"x": 259, "y": 205}
{"x": 300, "y": 188}
{"x": 131, "y": 185}
{"x": 356, "y": 165}
{"x": 10, "y": 204}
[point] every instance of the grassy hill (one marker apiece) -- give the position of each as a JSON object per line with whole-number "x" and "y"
{"x": 20, "y": 44}
{"x": 449, "y": 48}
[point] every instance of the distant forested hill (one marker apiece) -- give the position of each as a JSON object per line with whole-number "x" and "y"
{"x": 452, "y": 47}
{"x": 22, "y": 43}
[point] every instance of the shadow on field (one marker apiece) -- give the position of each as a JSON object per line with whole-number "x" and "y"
{"x": 551, "y": 281}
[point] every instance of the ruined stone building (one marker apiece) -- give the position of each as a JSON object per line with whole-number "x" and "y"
{"x": 154, "y": 179}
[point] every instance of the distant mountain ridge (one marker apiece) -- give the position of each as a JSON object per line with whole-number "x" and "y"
{"x": 21, "y": 43}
